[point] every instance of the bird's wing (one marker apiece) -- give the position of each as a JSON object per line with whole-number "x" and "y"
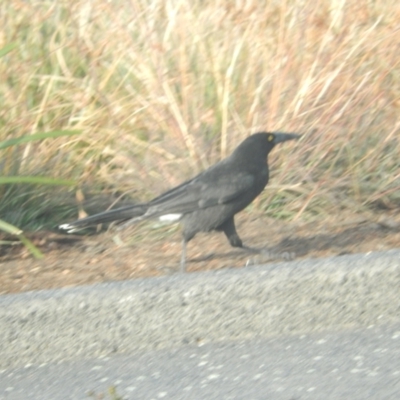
{"x": 205, "y": 190}
{"x": 225, "y": 190}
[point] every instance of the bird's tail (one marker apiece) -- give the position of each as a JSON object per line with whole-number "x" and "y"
{"x": 119, "y": 214}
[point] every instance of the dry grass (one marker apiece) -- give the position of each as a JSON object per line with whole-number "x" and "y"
{"x": 163, "y": 88}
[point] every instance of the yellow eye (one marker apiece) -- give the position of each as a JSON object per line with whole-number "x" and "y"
{"x": 270, "y": 138}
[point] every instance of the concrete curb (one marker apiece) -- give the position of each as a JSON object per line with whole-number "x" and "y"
{"x": 299, "y": 296}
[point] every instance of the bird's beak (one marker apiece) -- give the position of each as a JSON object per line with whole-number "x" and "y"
{"x": 283, "y": 137}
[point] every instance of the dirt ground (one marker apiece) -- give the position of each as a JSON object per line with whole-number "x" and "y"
{"x": 150, "y": 250}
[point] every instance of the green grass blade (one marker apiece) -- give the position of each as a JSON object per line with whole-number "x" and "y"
{"x": 36, "y": 136}
{"x": 11, "y": 229}
{"x": 6, "y": 49}
{"x": 7, "y": 243}
{"x": 31, "y": 247}
{"x": 37, "y": 180}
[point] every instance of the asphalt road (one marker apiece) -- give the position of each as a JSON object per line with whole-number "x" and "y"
{"x": 301, "y": 330}
{"x": 351, "y": 364}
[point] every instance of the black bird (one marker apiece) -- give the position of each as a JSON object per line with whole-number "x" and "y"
{"x": 208, "y": 201}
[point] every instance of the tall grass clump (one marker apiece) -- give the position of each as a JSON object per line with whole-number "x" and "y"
{"x": 162, "y": 89}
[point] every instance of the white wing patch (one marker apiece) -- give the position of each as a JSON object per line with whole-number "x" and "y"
{"x": 169, "y": 217}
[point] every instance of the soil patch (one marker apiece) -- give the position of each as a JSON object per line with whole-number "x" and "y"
{"x": 150, "y": 250}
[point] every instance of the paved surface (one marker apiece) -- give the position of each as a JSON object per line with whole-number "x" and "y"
{"x": 356, "y": 365}
{"x": 249, "y": 322}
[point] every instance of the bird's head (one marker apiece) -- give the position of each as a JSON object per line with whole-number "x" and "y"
{"x": 279, "y": 137}
{"x": 261, "y": 143}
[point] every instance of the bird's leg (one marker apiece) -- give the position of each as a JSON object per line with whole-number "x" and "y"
{"x": 228, "y": 227}
{"x": 183, "y": 256}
